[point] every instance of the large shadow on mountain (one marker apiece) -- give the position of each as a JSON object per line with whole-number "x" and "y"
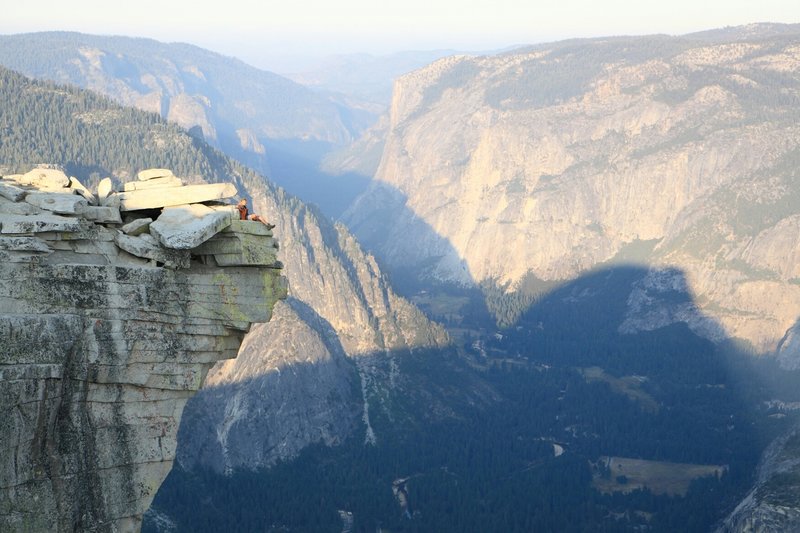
{"x": 272, "y": 404}
{"x": 375, "y": 217}
{"x": 296, "y": 166}
{"x": 507, "y": 433}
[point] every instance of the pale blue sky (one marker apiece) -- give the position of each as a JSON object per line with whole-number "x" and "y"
{"x": 259, "y": 30}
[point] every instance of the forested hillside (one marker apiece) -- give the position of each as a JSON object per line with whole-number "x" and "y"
{"x": 93, "y": 137}
{"x": 185, "y": 84}
{"x": 263, "y": 120}
{"x": 585, "y": 429}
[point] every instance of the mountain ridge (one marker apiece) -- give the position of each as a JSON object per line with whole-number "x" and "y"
{"x": 558, "y": 157}
{"x": 363, "y": 374}
{"x": 247, "y": 112}
{"x": 330, "y": 276}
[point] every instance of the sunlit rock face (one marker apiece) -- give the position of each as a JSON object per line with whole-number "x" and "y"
{"x": 105, "y": 332}
{"x": 550, "y": 160}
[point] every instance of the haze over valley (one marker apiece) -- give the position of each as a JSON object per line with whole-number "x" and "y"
{"x": 550, "y": 287}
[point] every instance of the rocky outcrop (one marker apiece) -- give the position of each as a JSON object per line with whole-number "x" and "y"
{"x": 773, "y": 504}
{"x": 332, "y": 277}
{"x": 107, "y": 330}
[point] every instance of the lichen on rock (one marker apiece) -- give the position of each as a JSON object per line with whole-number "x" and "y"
{"x": 103, "y": 338}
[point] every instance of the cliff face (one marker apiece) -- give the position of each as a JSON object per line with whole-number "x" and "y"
{"x": 551, "y": 160}
{"x": 325, "y": 364}
{"x": 291, "y": 385}
{"x": 773, "y": 504}
{"x": 107, "y": 330}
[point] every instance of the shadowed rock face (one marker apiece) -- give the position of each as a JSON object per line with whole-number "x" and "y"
{"x": 99, "y": 352}
{"x": 773, "y": 504}
{"x": 316, "y": 371}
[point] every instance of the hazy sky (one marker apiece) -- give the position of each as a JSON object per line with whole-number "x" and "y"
{"x": 261, "y": 31}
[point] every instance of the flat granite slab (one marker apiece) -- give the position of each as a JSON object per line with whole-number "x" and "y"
{"x": 66, "y": 203}
{"x": 242, "y": 249}
{"x": 188, "y": 226}
{"x": 15, "y": 194}
{"x": 17, "y": 208}
{"x": 250, "y": 227}
{"x": 153, "y": 173}
{"x": 155, "y": 183}
{"x": 24, "y": 244}
{"x": 172, "y": 196}
{"x": 40, "y": 223}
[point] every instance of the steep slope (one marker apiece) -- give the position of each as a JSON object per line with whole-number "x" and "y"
{"x": 773, "y": 503}
{"x": 104, "y": 335}
{"x": 542, "y": 163}
{"x": 252, "y": 115}
{"x": 340, "y": 356}
{"x": 518, "y": 449}
{"x": 337, "y": 291}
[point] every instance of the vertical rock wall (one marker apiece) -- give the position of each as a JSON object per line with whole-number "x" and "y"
{"x": 99, "y": 352}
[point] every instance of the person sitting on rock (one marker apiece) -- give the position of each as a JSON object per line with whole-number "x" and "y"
{"x": 243, "y": 214}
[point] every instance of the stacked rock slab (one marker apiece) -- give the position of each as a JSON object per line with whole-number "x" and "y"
{"x": 106, "y": 331}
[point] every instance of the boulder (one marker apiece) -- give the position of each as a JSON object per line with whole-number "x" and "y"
{"x": 188, "y": 226}
{"x": 153, "y": 173}
{"x": 138, "y": 226}
{"x": 42, "y": 178}
{"x": 146, "y": 247}
{"x": 56, "y": 202}
{"x": 104, "y": 188}
{"x": 102, "y": 214}
{"x": 79, "y": 188}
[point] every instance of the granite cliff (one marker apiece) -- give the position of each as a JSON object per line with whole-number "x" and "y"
{"x": 341, "y": 302}
{"x": 773, "y": 503}
{"x": 107, "y": 330}
{"x": 543, "y": 163}
{"x": 342, "y": 333}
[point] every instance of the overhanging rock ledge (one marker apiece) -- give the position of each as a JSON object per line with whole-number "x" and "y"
{"x": 106, "y": 329}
